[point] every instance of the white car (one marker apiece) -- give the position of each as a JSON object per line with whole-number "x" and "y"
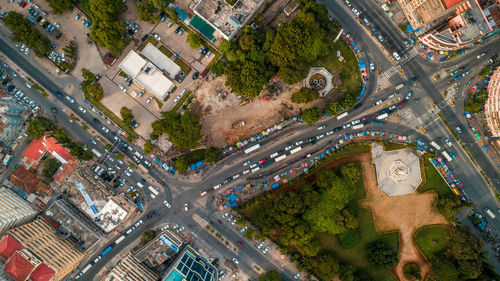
{"x": 225, "y": 215}
{"x": 396, "y": 56}
{"x": 28, "y": 85}
{"x": 167, "y": 204}
{"x": 82, "y": 109}
{"x": 297, "y": 275}
{"x": 480, "y": 55}
{"x": 246, "y": 163}
{"x": 372, "y": 66}
{"x": 148, "y": 101}
{"x": 70, "y": 99}
{"x": 448, "y": 142}
{"x": 391, "y": 96}
{"x": 321, "y": 127}
{"x": 177, "y": 99}
{"x": 186, "y": 207}
{"x": 123, "y": 88}
{"x": 266, "y": 249}
{"x": 356, "y": 12}
{"x": 377, "y": 102}
{"x": 127, "y": 173}
{"x": 217, "y": 186}
{"x": 260, "y": 244}
{"x": 105, "y": 129}
{"x": 236, "y": 261}
{"x": 355, "y": 122}
{"x": 156, "y": 36}
{"x": 244, "y": 229}
{"x": 253, "y": 165}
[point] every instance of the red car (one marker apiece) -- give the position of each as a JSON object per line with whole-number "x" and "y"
{"x": 23, "y": 4}
{"x": 262, "y": 161}
{"x": 364, "y": 118}
{"x": 239, "y": 244}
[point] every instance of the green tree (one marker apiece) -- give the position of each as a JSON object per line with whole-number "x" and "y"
{"x": 333, "y": 108}
{"x": 311, "y": 115}
{"x": 467, "y": 250}
{"x": 24, "y": 31}
{"x": 218, "y": 68}
{"x": 127, "y": 115}
{"x": 38, "y": 126}
{"x": 50, "y": 167}
{"x": 147, "y": 236}
{"x": 61, "y": 136}
{"x": 161, "y": 5}
{"x": 327, "y": 268}
{"x": 183, "y": 131}
{"x": 350, "y": 238}
{"x": 249, "y": 234}
{"x": 272, "y": 275}
{"x": 88, "y": 75}
{"x": 351, "y": 172}
{"x": 147, "y": 11}
{"x": 148, "y": 147}
{"x": 181, "y": 164}
{"x": 293, "y": 73}
{"x": 412, "y": 271}
{"x": 170, "y": 11}
{"x": 381, "y": 254}
{"x": 194, "y": 40}
{"x": 78, "y": 150}
{"x": 93, "y": 91}
{"x": 212, "y": 155}
{"x": 61, "y": 6}
{"x": 449, "y": 206}
{"x": 120, "y": 156}
{"x": 107, "y": 30}
{"x": 443, "y": 269}
{"x": 304, "y": 95}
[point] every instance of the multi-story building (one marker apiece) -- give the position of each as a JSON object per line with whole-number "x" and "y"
{"x": 36, "y": 249}
{"x": 129, "y": 269}
{"x": 191, "y": 266}
{"x": 446, "y": 24}
{"x": 492, "y": 105}
{"x": 12, "y": 116}
{"x": 14, "y": 210}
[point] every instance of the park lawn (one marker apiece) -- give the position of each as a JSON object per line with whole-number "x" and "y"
{"x": 349, "y": 150}
{"x": 348, "y": 69}
{"x": 388, "y": 146}
{"x": 430, "y": 240}
{"x": 166, "y": 51}
{"x": 357, "y": 255}
{"x": 184, "y": 67}
{"x": 151, "y": 40}
{"x": 433, "y": 180}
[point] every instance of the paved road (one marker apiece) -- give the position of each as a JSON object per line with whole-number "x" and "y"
{"x": 179, "y": 191}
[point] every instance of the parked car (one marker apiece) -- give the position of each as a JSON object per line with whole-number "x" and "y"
{"x": 156, "y": 36}
{"x": 148, "y": 101}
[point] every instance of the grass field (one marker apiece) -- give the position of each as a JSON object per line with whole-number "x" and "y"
{"x": 357, "y": 255}
{"x": 151, "y": 40}
{"x": 348, "y": 69}
{"x": 166, "y": 51}
{"x": 431, "y": 240}
{"x": 433, "y": 180}
{"x": 388, "y": 146}
{"x": 184, "y": 67}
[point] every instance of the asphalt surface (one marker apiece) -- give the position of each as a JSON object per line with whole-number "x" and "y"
{"x": 178, "y": 190}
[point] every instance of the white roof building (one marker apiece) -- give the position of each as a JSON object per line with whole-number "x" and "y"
{"x": 111, "y": 216}
{"x": 146, "y": 74}
{"x": 163, "y": 62}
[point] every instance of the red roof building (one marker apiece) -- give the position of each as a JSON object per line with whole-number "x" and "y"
{"x": 38, "y": 148}
{"x": 451, "y": 3}
{"x": 42, "y": 273}
{"x": 18, "y": 267}
{"x": 8, "y": 246}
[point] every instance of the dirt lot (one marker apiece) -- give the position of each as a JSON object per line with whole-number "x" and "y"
{"x": 219, "y": 113}
{"x": 405, "y": 213}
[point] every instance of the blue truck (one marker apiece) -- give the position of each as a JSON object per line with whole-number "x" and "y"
{"x": 107, "y": 250}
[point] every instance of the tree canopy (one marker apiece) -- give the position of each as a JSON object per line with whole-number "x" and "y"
{"x": 381, "y": 254}
{"x": 183, "y": 130}
{"x": 181, "y": 164}
{"x": 50, "y": 167}
{"x": 24, "y": 31}
{"x": 194, "y": 40}
{"x": 147, "y": 11}
{"x": 147, "y": 236}
{"x": 272, "y": 275}
{"x": 311, "y": 115}
{"x": 212, "y": 155}
{"x": 304, "y": 95}
{"x": 38, "y": 126}
{"x": 127, "y": 115}
{"x": 92, "y": 89}
{"x": 60, "y": 6}
{"x": 107, "y": 29}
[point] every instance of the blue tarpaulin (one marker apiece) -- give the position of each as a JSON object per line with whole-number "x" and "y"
{"x": 239, "y": 187}
{"x": 192, "y": 167}
{"x": 353, "y": 43}
{"x": 198, "y": 164}
{"x": 139, "y": 205}
{"x": 362, "y": 65}
{"x": 363, "y": 91}
{"x": 275, "y": 185}
{"x": 233, "y": 197}
{"x": 409, "y": 28}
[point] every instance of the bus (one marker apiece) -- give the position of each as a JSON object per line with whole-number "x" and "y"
{"x": 342, "y": 115}
{"x": 297, "y": 149}
{"x": 107, "y": 250}
{"x": 358, "y": 126}
{"x": 279, "y": 158}
{"x": 120, "y": 239}
{"x": 253, "y": 148}
{"x": 490, "y": 213}
{"x": 97, "y": 153}
{"x": 435, "y": 145}
{"x": 267, "y": 163}
{"x": 87, "y": 268}
{"x": 153, "y": 190}
{"x": 446, "y": 155}
{"x": 382, "y": 116}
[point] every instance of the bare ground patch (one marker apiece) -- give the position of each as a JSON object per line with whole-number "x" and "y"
{"x": 405, "y": 213}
